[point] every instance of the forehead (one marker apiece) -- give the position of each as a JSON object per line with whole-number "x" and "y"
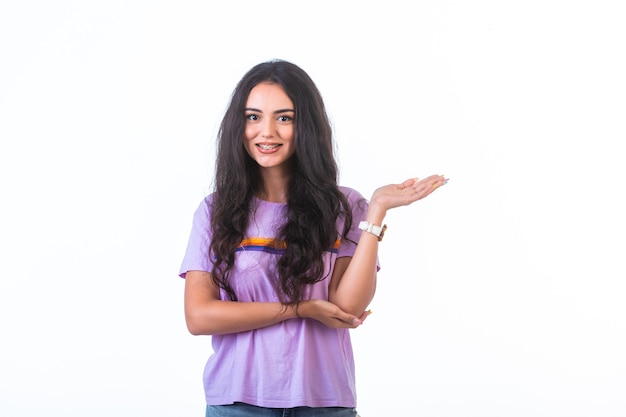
{"x": 270, "y": 96}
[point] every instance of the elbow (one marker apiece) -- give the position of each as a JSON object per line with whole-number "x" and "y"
{"x": 194, "y": 329}
{"x": 356, "y": 310}
{"x": 197, "y": 327}
{"x": 353, "y": 307}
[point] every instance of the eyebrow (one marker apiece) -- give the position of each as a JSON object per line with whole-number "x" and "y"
{"x": 276, "y": 112}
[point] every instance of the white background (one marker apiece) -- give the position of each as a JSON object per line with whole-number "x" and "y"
{"x": 502, "y": 294}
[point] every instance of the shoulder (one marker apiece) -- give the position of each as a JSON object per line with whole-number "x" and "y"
{"x": 357, "y": 202}
{"x": 351, "y": 194}
{"x": 204, "y": 207}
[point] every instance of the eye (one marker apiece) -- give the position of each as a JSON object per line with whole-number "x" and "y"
{"x": 285, "y": 118}
{"x": 252, "y": 117}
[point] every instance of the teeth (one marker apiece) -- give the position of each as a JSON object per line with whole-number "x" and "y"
{"x": 267, "y": 147}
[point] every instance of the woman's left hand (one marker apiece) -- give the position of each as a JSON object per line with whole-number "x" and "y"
{"x": 408, "y": 192}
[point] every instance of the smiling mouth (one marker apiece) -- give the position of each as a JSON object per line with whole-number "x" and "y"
{"x": 267, "y": 147}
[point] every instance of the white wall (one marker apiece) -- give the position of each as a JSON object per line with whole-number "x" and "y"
{"x": 500, "y": 295}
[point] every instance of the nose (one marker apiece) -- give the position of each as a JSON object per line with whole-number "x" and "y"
{"x": 267, "y": 127}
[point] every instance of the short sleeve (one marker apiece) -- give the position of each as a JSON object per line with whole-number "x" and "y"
{"x": 359, "y": 206}
{"x": 197, "y": 254}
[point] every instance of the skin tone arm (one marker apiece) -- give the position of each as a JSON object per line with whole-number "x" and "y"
{"x": 353, "y": 283}
{"x": 206, "y": 314}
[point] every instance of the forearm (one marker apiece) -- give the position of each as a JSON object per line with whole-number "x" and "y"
{"x": 206, "y": 314}
{"x": 221, "y": 317}
{"x": 353, "y": 288}
{"x": 357, "y": 285}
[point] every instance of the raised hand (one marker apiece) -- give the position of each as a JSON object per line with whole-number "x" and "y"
{"x": 407, "y": 192}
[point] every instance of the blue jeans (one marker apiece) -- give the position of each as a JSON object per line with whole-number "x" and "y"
{"x": 247, "y": 410}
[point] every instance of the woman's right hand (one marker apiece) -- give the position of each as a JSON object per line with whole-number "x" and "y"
{"x": 329, "y": 314}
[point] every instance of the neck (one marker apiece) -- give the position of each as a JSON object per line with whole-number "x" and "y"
{"x": 273, "y": 187}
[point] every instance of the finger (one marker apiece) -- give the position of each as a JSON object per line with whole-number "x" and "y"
{"x": 440, "y": 181}
{"x": 349, "y": 320}
{"x": 423, "y": 186}
{"x": 426, "y": 188}
{"x": 348, "y": 325}
{"x": 409, "y": 182}
{"x": 365, "y": 315}
{"x": 432, "y": 181}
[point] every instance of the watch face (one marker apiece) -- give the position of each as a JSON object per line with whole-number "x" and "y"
{"x": 382, "y": 232}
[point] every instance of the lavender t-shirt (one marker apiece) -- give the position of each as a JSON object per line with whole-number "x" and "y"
{"x": 298, "y": 362}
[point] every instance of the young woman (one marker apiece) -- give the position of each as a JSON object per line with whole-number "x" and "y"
{"x": 281, "y": 260}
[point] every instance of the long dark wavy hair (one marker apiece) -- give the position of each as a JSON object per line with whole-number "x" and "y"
{"x": 314, "y": 201}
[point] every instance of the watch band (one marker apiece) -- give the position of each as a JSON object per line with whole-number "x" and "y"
{"x": 378, "y": 231}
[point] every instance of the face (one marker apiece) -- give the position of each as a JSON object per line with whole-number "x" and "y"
{"x": 270, "y": 126}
